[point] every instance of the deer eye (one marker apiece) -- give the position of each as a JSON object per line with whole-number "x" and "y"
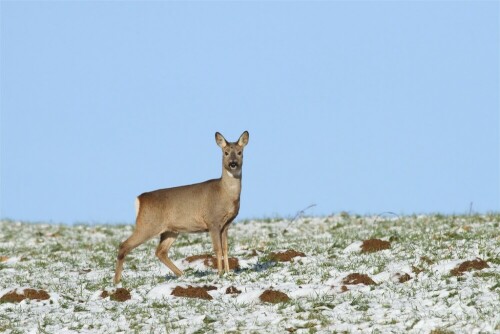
{"x": 226, "y": 153}
{"x": 239, "y": 153}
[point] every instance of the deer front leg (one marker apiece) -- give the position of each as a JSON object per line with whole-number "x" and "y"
{"x": 216, "y": 242}
{"x": 224, "y": 248}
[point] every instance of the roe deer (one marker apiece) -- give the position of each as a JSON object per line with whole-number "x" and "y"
{"x": 209, "y": 206}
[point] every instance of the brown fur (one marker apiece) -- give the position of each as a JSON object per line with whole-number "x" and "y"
{"x": 209, "y": 206}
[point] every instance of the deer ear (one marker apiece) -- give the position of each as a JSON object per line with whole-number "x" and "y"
{"x": 220, "y": 140}
{"x": 243, "y": 139}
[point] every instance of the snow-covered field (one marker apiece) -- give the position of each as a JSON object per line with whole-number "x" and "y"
{"x": 414, "y": 289}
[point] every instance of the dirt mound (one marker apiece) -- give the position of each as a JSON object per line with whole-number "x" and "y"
{"x": 356, "y": 278}
{"x": 192, "y": 292}
{"x": 120, "y": 295}
{"x": 211, "y": 261}
{"x": 286, "y": 256}
{"x": 232, "y": 290}
{"x": 374, "y": 245}
{"x": 271, "y": 296}
{"x": 198, "y": 257}
{"x": 14, "y": 297}
{"x": 404, "y": 278}
{"x": 476, "y": 264}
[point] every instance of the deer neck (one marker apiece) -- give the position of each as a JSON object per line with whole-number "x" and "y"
{"x": 231, "y": 183}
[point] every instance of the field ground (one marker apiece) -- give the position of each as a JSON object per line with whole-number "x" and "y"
{"x": 418, "y": 274}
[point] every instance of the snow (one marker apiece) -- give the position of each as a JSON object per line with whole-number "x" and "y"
{"x": 12, "y": 260}
{"x": 75, "y": 264}
{"x": 445, "y": 266}
{"x": 354, "y": 247}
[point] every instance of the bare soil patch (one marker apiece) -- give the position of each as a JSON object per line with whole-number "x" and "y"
{"x": 272, "y": 296}
{"x": 14, "y": 297}
{"x": 192, "y": 292}
{"x": 427, "y": 260}
{"x": 254, "y": 253}
{"x": 3, "y": 258}
{"x": 286, "y": 256}
{"x": 416, "y": 270}
{"x": 211, "y": 261}
{"x": 374, "y": 245}
{"x": 120, "y": 295}
{"x": 232, "y": 290}
{"x": 404, "y": 278}
{"x": 476, "y": 264}
{"x": 356, "y": 278}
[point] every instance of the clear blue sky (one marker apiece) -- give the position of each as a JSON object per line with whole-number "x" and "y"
{"x": 363, "y": 107}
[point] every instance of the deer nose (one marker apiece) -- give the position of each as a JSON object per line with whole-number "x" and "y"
{"x": 233, "y": 164}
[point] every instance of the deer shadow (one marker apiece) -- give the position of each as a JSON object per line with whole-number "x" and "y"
{"x": 257, "y": 267}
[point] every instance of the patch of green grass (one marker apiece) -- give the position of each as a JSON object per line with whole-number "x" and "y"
{"x": 441, "y": 331}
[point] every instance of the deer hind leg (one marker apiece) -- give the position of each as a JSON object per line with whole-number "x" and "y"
{"x": 166, "y": 240}
{"x": 137, "y": 238}
{"x": 224, "y": 249}
{"x": 217, "y": 244}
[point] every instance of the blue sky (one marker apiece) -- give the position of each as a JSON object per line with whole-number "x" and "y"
{"x": 364, "y": 107}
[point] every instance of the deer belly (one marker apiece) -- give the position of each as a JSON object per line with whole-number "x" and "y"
{"x": 192, "y": 226}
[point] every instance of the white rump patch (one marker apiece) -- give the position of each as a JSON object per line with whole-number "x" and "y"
{"x": 137, "y": 205}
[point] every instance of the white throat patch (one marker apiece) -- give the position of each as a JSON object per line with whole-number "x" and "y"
{"x": 229, "y": 173}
